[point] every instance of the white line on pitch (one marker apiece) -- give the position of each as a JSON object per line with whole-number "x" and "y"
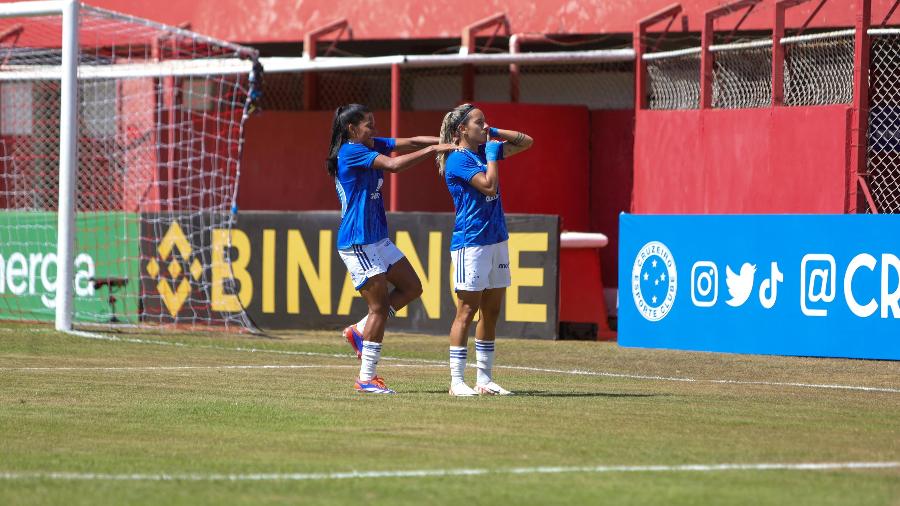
{"x": 178, "y": 367}
{"x": 429, "y": 473}
{"x": 574, "y": 372}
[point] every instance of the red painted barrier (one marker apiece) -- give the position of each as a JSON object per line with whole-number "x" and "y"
{"x": 581, "y": 297}
{"x": 580, "y": 287}
{"x": 773, "y": 160}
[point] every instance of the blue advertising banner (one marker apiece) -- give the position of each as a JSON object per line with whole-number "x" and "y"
{"x": 809, "y": 285}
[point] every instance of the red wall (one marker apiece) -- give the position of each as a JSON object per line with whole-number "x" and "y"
{"x": 774, "y": 160}
{"x": 421, "y": 187}
{"x": 553, "y": 177}
{"x": 268, "y": 21}
{"x": 612, "y": 180}
{"x": 284, "y": 163}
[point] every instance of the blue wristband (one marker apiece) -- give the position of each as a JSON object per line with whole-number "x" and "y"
{"x": 493, "y": 132}
{"x": 493, "y": 151}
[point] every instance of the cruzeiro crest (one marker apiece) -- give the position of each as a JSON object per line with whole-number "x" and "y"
{"x": 654, "y": 281}
{"x": 174, "y": 241}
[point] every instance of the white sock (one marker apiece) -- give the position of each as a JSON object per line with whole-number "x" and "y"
{"x": 371, "y": 352}
{"x": 361, "y": 325}
{"x": 457, "y": 363}
{"x": 484, "y": 355}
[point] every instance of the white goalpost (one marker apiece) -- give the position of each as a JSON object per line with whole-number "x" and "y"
{"x": 120, "y": 145}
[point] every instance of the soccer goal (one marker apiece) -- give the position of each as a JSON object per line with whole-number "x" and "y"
{"x": 120, "y": 145}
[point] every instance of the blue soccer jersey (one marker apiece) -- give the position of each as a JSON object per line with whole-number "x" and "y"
{"x": 359, "y": 190}
{"x": 479, "y": 218}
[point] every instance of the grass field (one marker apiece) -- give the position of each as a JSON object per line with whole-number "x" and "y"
{"x": 201, "y": 419}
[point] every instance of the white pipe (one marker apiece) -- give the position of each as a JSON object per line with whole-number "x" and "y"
{"x": 68, "y": 163}
{"x": 884, "y": 31}
{"x": 299, "y": 64}
{"x": 168, "y": 68}
{"x": 767, "y": 42}
{"x": 560, "y": 57}
{"x": 274, "y": 65}
{"x": 661, "y": 55}
{"x": 818, "y": 36}
{"x": 737, "y": 46}
{"x": 582, "y": 240}
{"x": 20, "y": 9}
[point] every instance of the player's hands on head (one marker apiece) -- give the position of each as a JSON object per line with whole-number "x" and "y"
{"x": 493, "y": 151}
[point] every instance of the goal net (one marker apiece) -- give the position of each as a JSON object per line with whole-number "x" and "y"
{"x": 156, "y": 142}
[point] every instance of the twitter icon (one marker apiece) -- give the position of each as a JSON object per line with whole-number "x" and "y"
{"x": 739, "y": 285}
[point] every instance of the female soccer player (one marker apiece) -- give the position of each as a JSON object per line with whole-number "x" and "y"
{"x": 479, "y": 242}
{"x": 357, "y": 160}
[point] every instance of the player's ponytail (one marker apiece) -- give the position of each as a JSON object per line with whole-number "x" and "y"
{"x": 344, "y": 116}
{"x": 449, "y": 131}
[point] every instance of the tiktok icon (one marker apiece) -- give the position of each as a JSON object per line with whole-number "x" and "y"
{"x": 768, "y": 290}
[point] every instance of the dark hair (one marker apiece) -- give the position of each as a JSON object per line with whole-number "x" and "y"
{"x": 344, "y": 116}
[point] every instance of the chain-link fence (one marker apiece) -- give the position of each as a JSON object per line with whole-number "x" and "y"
{"x": 884, "y": 121}
{"x": 674, "y": 79}
{"x": 818, "y": 68}
{"x": 742, "y": 75}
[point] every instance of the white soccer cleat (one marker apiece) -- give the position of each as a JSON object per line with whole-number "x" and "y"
{"x": 491, "y": 389}
{"x": 462, "y": 390}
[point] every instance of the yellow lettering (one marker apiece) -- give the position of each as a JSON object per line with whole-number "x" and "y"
{"x": 319, "y": 282}
{"x": 431, "y": 283}
{"x": 221, "y": 271}
{"x": 268, "y": 272}
{"x": 515, "y": 311}
{"x": 348, "y": 292}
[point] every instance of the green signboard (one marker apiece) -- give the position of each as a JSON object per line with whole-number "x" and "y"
{"x": 106, "y": 259}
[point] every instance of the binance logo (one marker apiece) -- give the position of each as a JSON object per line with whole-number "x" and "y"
{"x": 174, "y": 240}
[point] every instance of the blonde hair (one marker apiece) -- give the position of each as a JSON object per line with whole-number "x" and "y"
{"x": 450, "y": 131}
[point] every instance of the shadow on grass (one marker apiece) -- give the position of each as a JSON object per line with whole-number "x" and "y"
{"x": 545, "y": 393}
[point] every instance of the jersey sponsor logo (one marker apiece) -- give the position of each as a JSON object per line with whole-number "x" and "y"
{"x": 377, "y": 194}
{"x": 503, "y": 266}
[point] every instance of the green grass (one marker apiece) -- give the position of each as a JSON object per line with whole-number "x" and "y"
{"x": 309, "y": 420}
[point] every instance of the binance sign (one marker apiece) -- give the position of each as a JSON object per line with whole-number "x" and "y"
{"x": 287, "y": 273}
{"x": 173, "y": 252}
